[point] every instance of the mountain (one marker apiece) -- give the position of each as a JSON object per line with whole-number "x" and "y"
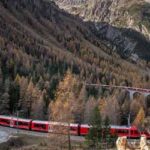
{"x": 127, "y": 20}
{"x": 122, "y": 13}
{"x": 38, "y": 44}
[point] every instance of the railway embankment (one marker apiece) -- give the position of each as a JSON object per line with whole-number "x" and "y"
{"x": 27, "y": 140}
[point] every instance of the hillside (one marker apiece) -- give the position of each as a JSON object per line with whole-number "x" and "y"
{"x": 130, "y": 16}
{"x": 39, "y": 43}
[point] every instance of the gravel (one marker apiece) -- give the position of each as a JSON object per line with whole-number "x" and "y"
{"x": 4, "y": 136}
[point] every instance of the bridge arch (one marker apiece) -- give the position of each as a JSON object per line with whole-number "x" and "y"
{"x": 134, "y": 94}
{"x": 137, "y": 95}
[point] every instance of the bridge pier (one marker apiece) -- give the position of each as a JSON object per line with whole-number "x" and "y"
{"x": 131, "y": 93}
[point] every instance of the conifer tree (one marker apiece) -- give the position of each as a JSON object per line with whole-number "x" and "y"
{"x": 89, "y": 107}
{"x": 106, "y": 127}
{"x": 4, "y": 105}
{"x": 37, "y": 104}
{"x": 106, "y": 131}
{"x": 140, "y": 117}
{"x": 62, "y": 109}
{"x": 79, "y": 104}
{"x": 14, "y": 93}
{"x": 4, "y": 100}
{"x": 1, "y": 81}
{"x": 94, "y": 138}
{"x": 23, "y": 84}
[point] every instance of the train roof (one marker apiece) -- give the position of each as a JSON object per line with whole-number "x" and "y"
{"x": 122, "y": 127}
{"x": 6, "y": 117}
{"x": 119, "y": 127}
{"x": 21, "y": 119}
{"x": 85, "y": 126}
{"x": 40, "y": 122}
{"x": 64, "y": 124}
{"x": 54, "y": 123}
{"x": 112, "y": 126}
{"x": 14, "y": 118}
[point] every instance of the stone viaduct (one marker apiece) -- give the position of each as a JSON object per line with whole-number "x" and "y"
{"x": 131, "y": 90}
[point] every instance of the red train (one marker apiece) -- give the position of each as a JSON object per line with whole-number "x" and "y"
{"x": 75, "y": 129}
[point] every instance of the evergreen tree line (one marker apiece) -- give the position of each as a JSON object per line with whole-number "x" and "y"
{"x": 99, "y": 136}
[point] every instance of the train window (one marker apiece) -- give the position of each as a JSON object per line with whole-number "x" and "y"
{"x": 5, "y": 121}
{"x": 73, "y": 128}
{"x": 43, "y": 126}
{"x": 132, "y": 131}
{"x": 122, "y": 131}
{"x": 21, "y": 123}
{"x": 126, "y": 131}
{"x": 119, "y": 131}
{"x": 136, "y": 132}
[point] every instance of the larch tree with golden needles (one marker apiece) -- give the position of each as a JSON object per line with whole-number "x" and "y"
{"x": 37, "y": 104}
{"x": 111, "y": 109}
{"x": 62, "y": 109}
{"x": 139, "y": 118}
{"x": 89, "y": 107}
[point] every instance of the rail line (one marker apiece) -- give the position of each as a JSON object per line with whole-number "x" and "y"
{"x": 14, "y": 131}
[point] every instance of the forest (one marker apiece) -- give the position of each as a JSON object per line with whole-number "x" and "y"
{"x": 46, "y": 58}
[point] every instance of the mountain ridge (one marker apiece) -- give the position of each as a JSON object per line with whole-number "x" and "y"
{"x": 121, "y": 13}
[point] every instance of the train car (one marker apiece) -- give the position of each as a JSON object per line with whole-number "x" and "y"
{"x": 84, "y": 129}
{"x": 134, "y": 133}
{"x": 130, "y": 132}
{"x": 6, "y": 121}
{"x": 146, "y": 133}
{"x": 62, "y": 128}
{"x": 41, "y": 126}
{"x": 22, "y": 123}
{"x": 74, "y": 129}
{"x": 57, "y": 127}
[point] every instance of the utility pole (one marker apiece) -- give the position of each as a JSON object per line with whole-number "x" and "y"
{"x": 129, "y": 123}
{"x": 69, "y": 140}
{"x": 17, "y": 120}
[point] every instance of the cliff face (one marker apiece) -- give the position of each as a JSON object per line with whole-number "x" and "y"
{"x": 127, "y": 42}
{"x": 96, "y": 10}
{"x": 121, "y": 13}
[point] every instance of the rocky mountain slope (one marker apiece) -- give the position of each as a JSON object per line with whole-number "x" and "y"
{"x": 39, "y": 29}
{"x": 121, "y": 13}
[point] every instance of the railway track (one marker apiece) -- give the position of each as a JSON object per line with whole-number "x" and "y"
{"x": 12, "y": 131}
